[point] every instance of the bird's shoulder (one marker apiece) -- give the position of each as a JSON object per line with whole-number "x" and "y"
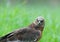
{"x": 27, "y": 30}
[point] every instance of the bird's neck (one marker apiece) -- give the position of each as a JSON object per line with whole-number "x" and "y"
{"x": 33, "y": 26}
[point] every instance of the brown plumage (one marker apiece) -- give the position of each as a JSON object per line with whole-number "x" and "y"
{"x": 31, "y": 33}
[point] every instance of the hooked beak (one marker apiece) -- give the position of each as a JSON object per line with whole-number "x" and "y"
{"x": 39, "y": 23}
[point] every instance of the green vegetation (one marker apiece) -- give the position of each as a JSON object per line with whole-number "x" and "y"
{"x": 14, "y": 17}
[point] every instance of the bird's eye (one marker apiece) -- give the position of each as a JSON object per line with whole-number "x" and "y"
{"x": 41, "y": 21}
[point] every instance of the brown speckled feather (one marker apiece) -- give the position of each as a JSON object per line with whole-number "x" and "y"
{"x": 31, "y": 33}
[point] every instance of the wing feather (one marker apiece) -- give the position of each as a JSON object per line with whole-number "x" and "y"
{"x": 26, "y": 34}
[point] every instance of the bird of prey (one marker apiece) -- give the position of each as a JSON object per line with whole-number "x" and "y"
{"x": 31, "y": 33}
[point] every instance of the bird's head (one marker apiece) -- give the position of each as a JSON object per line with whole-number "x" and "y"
{"x": 38, "y": 24}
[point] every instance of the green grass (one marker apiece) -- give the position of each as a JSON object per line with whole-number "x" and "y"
{"x": 12, "y": 18}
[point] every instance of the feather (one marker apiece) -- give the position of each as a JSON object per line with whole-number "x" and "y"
{"x": 31, "y": 33}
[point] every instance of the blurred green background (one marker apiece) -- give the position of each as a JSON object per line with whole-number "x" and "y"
{"x": 15, "y": 14}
